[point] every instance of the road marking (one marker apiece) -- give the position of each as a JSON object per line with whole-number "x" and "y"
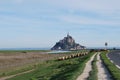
{"x": 113, "y": 62}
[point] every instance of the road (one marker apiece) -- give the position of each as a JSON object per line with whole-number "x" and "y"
{"x": 115, "y": 57}
{"x": 102, "y": 74}
{"x": 87, "y": 69}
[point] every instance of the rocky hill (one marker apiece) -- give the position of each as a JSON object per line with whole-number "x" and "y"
{"x": 68, "y": 43}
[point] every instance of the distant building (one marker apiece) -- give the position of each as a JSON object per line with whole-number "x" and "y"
{"x": 68, "y": 43}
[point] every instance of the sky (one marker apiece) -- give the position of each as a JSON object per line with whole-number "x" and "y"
{"x": 42, "y": 23}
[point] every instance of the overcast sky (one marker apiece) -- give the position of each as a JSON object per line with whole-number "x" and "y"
{"x": 41, "y": 23}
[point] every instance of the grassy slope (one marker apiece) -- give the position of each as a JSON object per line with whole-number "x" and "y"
{"x": 16, "y": 70}
{"x": 56, "y": 70}
{"x": 115, "y": 72}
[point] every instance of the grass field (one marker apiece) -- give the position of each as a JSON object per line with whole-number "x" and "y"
{"x": 53, "y": 69}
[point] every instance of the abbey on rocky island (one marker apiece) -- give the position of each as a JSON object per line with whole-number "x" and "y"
{"x": 68, "y": 43}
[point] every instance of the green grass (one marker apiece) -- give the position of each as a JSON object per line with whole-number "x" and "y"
{"x": 115, "y": 72}
{"x": 57, "y": 70}
{"x": 93, "y": 73}
{"x": 16, "y": 70}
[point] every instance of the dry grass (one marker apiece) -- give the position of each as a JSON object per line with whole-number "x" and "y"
{"x": 17, "y": 59}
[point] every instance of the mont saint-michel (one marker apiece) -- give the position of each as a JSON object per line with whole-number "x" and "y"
{"x": 68, "y": 43}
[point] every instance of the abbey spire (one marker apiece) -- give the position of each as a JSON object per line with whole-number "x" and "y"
{"x": 68, "y": 34}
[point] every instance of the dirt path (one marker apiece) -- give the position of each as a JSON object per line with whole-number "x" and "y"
{"x": 103, "y": 73}
{"x": 7, "y": 77}
{"x": 87, "y": 69}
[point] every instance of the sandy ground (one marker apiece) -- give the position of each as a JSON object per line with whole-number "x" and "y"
{"x": 87, "y": 69}
{"x": 103, "y": 73}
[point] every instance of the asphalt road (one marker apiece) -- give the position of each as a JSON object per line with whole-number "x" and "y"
{"x": 115, "y": 57}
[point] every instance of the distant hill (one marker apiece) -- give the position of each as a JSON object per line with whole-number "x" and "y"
{"x": 68, "y": 43}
